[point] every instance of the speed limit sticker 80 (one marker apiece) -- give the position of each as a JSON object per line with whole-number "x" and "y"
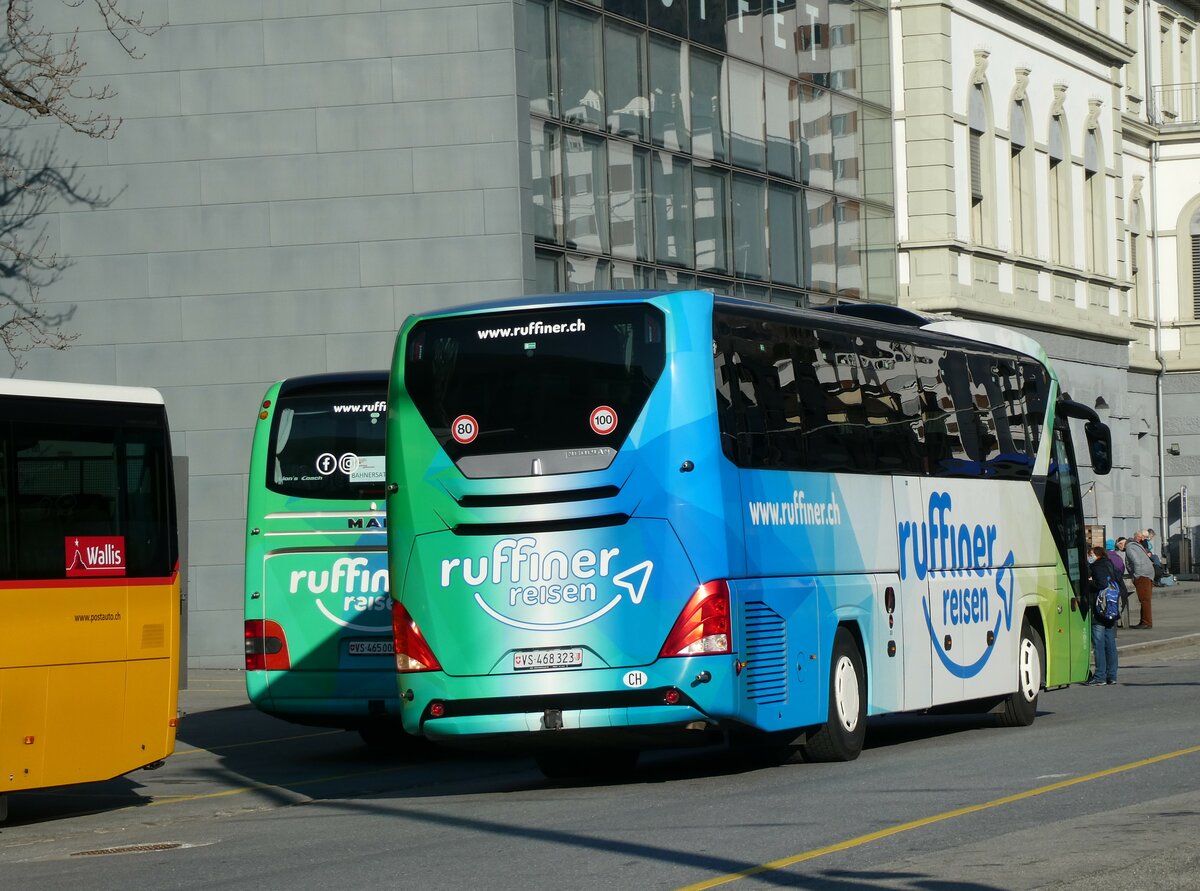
{"x": 464, "y": 429}
{"x": 604, "y": 420}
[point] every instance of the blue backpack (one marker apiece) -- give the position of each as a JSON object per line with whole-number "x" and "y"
{"x": 1108, "y": 601}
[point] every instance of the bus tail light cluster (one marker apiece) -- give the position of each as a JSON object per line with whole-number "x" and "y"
{"x": 703, "y": 625}
{"x": 412, "y": 652}
{"x": 266, "y": 646}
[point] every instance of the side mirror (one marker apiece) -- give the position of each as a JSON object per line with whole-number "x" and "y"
{"x": 1099, "y": 440}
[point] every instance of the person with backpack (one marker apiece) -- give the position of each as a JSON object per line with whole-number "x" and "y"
{"x": 1105, "y": 608}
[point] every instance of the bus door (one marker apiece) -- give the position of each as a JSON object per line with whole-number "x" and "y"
{"x": 913, "y": 638}
{"x": 1064, "y": 515}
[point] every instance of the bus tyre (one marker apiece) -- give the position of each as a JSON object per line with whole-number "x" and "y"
{"x": 1020, "y": 708}
{"x": 841, "y": 737}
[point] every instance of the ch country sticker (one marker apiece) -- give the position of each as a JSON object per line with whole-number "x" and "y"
{"x": 523, "y": 580}
{"x": 968, "y": 585}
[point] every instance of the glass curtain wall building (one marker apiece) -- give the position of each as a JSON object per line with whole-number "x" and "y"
{"x": 738, "y": 145}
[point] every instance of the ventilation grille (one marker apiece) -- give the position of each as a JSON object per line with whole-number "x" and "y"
{"x": 766, "y": 654}
{"x": 154, "y": 637}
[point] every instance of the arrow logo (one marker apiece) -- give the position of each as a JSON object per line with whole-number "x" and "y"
{"x": 645, "y": 567}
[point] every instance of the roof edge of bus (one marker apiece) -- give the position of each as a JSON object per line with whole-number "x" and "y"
{"x": 324, "y": 378}
{"x": 986, "y": 333}
{"x": 73, "y": 390}
{"x": 535, "y": 301}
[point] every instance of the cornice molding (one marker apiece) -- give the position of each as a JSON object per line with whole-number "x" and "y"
{"x": 1054, "y": 25}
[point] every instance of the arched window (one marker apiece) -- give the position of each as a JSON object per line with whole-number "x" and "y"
{"x": 982, "y": 165}
{"x": 1060, "y": 193}
{"x": 1140, "y": 305}
{"x": 1021, "y": 180}
{"x": 1095, "y": 232}
{"x": 1194, "y": 232}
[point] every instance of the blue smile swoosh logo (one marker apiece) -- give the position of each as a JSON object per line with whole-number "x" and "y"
{"x": 1005, "y": 590}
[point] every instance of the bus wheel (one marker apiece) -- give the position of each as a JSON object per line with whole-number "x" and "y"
{"x": 596, "y": 763}
{"x": 841, "y": 737}
{"x": 1020, "y": 708}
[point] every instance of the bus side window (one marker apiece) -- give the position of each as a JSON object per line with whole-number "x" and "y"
{"x": 6, "y": 511}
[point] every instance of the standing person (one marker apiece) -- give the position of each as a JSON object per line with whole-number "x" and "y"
{"x": 1142, "y": 571}
{"x": 1160, "y": 568}
{"x": 1110, "y": 548}
{"x": 1104, "y": 629}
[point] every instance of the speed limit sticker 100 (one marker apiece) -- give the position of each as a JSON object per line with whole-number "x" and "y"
{"x": 464, "y": 429}
{"x": 604, "y": 420}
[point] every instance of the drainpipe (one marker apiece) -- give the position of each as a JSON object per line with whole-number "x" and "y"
{"x": 1158, "y": 350}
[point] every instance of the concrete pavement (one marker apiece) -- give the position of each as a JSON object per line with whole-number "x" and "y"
{"x": 1176, "y": 612}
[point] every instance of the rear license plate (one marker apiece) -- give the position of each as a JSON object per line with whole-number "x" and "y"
{"x": 563, "y": 657}
{"x": 372, "y": 648}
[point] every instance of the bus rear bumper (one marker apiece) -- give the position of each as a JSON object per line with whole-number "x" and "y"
{"x": 640, "y": 726}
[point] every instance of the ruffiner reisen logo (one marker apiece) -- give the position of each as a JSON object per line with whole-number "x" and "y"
{"x": 528, "y": 579}
{"x": 966, "y": 586}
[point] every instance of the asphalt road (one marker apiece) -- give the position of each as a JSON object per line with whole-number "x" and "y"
{"x": 1103, "y": 790}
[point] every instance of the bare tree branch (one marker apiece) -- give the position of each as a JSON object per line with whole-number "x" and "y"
{"x": 40, "y": 78}
{"x": 40, "y": 70}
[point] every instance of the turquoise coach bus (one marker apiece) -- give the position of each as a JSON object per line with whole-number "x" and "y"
{"x": 623, "y": 520}
{"x": 317, "y": 612}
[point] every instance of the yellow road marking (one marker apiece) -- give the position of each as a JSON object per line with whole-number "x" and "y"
{"x": 283, "y": 787}
{"x": 927, "y": 821}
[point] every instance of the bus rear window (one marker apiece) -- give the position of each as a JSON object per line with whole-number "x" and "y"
{"x": 537, "y": 391}
{"x": 328, "y": 445}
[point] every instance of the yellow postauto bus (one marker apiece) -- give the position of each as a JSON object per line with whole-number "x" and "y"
{"x": 89, "y": 584}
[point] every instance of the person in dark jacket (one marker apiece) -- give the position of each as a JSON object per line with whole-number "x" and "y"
{"x": 1104, "y": 631}
{"x": 1118, "y": 561}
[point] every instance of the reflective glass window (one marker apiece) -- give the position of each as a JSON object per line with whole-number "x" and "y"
{"x": 783, "y": 126}
{"x": 539, "y": 19}
{"x": 848, "y": 226}
{"x": 747, "y": 115}
{"x": 743, "y": 33}
{"x": 585, "y": 170}
{"x": 708, "y": 102}
{"x": 846, "y": 146}
{"x": 580, "y": 66}
{"x": 668, "y": 15}
{"x": 821, "y": 257}
{"x": 710, "y": 209}
{"x": 672, "y": 182}
{"x": 629, "y": 200}
{"x": 816, "y": 131}
{"x": 779, "y": 35}
{"x": 587, "y": 273}
{"x": 546, "y": 153}
{"x": 628, "y": 103}
{"x": 631, "y": 9}
{"x": 749, "y": 233}
{"x": 813, "y": 41}
{"x": 670, "y": 99}
{"x": 785, "y": 232}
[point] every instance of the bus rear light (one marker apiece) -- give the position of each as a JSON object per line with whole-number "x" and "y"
{"x": 266, "y": 646}
{"x": 412, "y": 652}
{"x": 702, "y": 628}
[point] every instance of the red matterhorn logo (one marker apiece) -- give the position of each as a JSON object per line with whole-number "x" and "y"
{"x": 95, "y": 555}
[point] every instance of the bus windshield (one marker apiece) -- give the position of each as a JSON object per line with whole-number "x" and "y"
{"x": 555, "y": 388}
{"x": 328, "y": 445}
